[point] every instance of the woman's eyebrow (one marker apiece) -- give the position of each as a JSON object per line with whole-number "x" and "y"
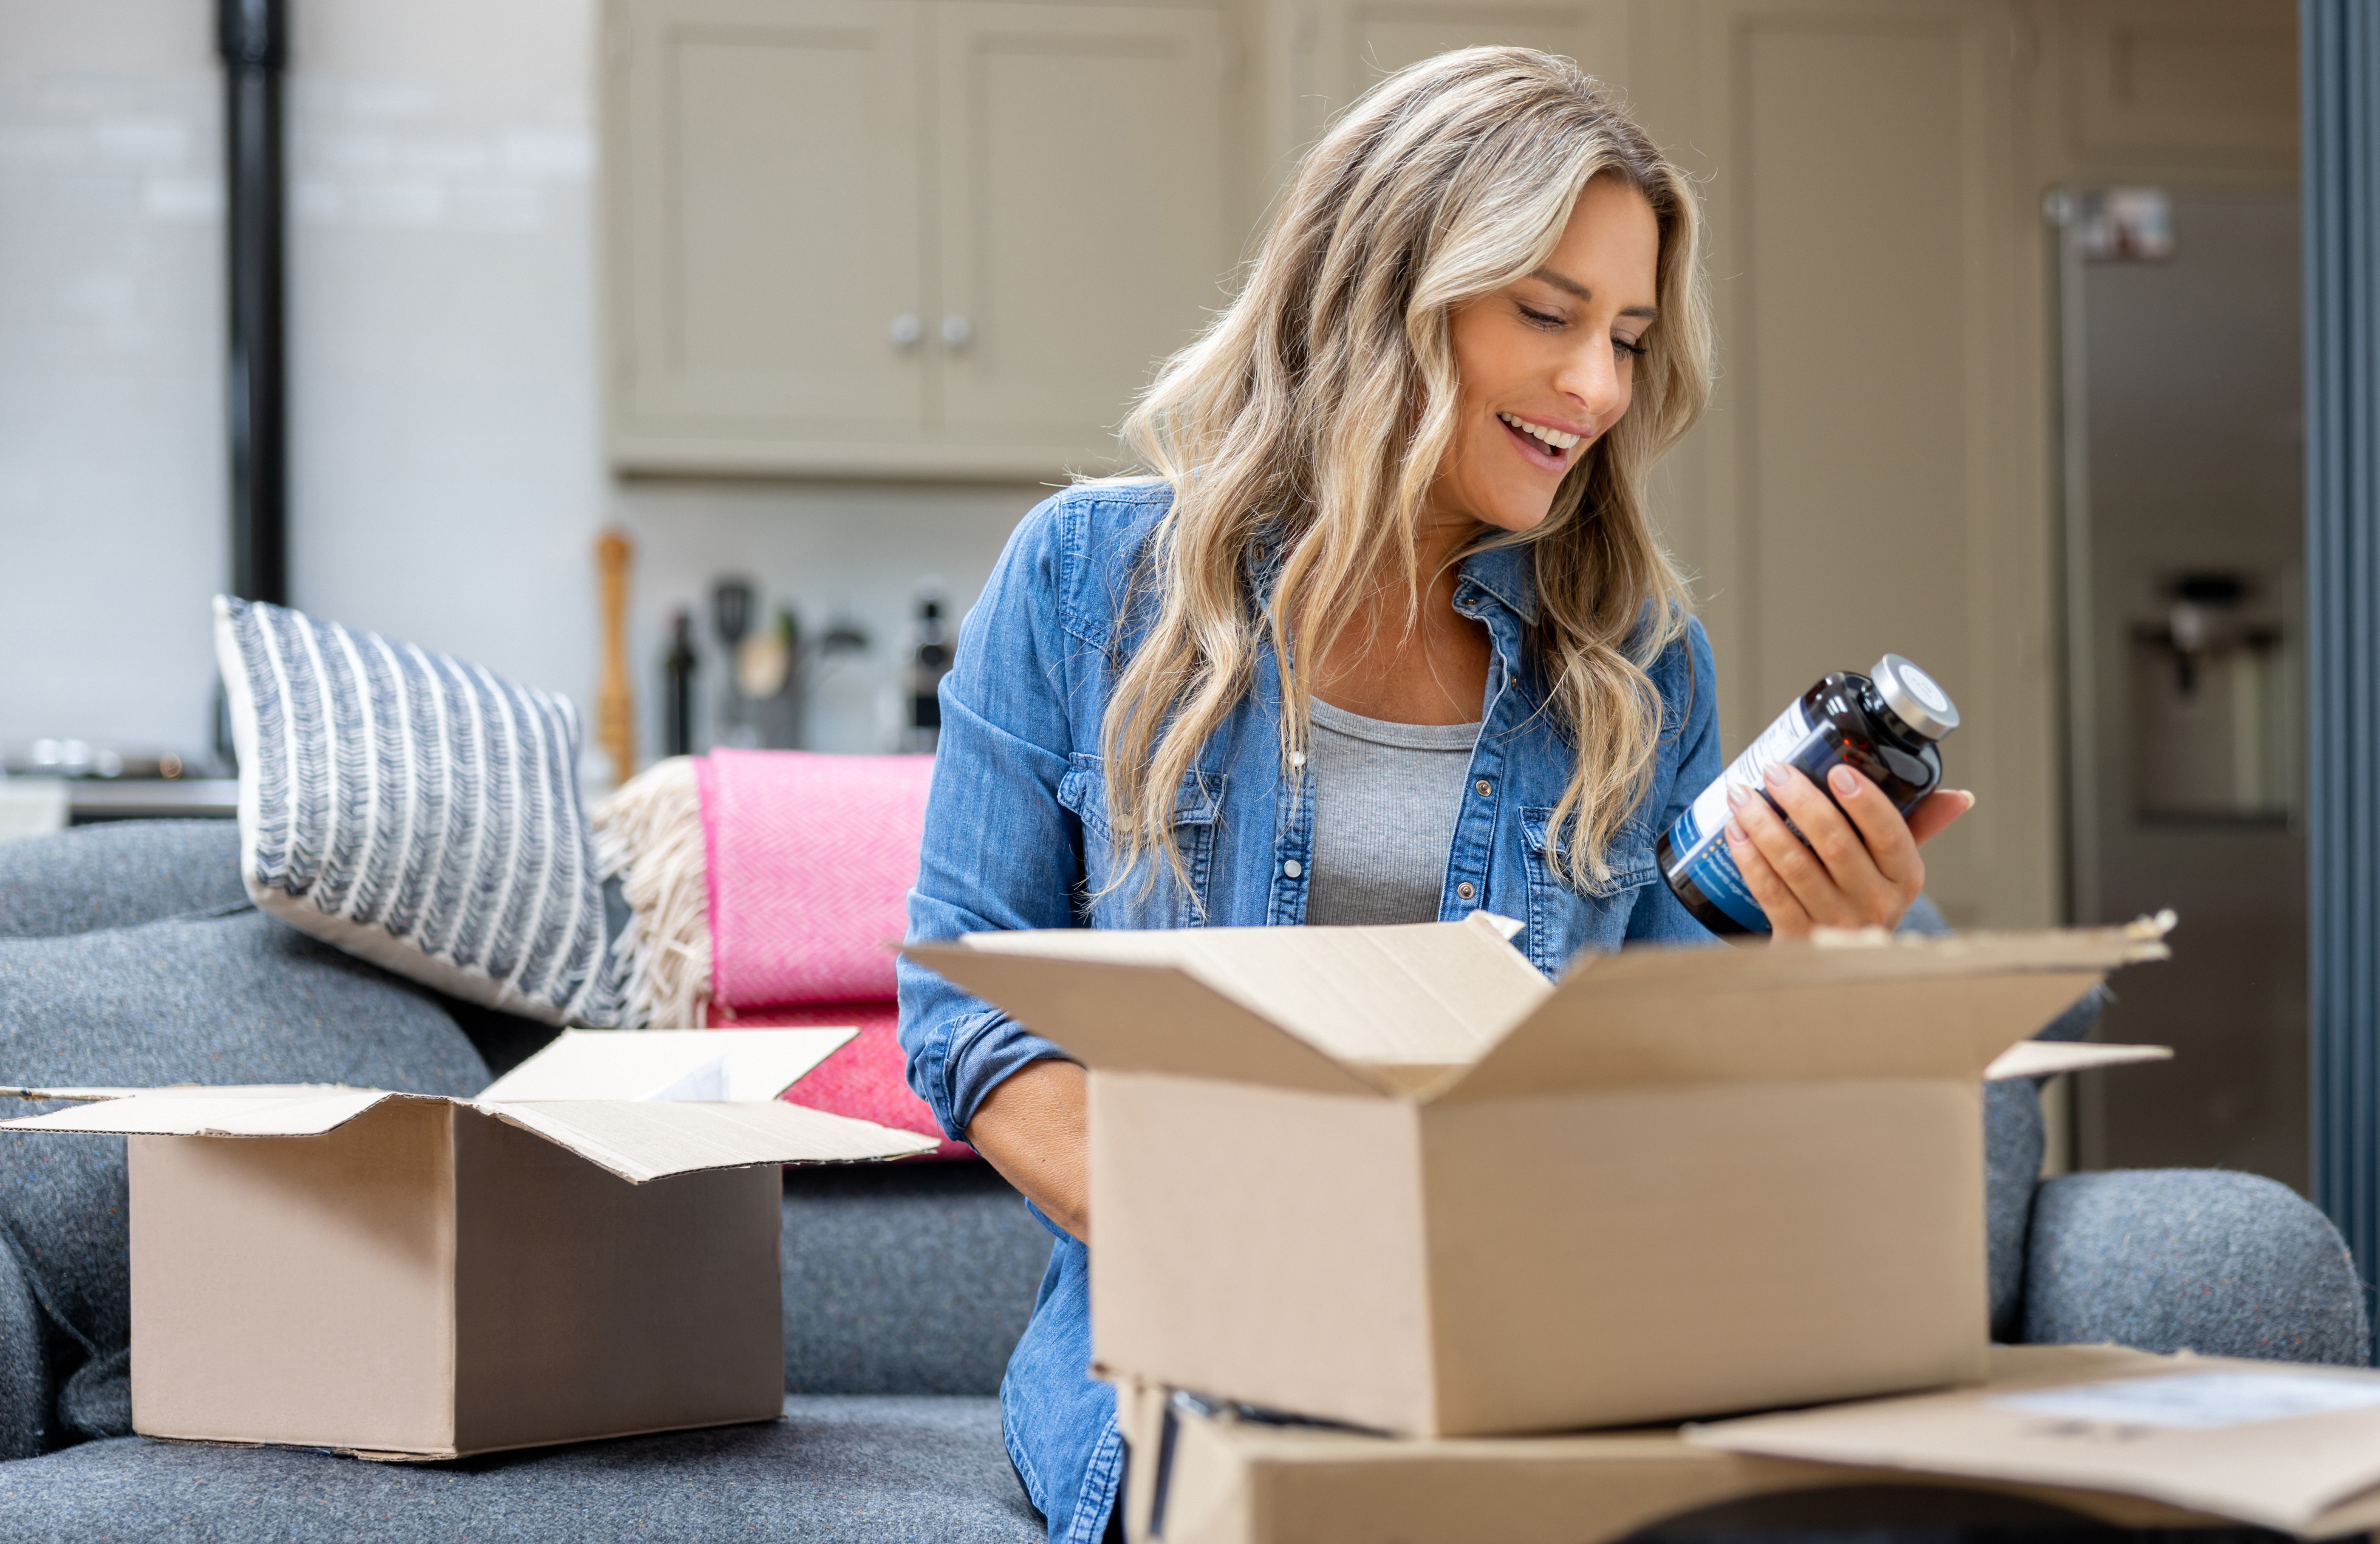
{"x": 1568, "y": 286}
{"x": 1564, "y": 282}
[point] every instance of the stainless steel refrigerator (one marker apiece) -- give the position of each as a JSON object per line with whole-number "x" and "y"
{"x": 2181, "y": 434}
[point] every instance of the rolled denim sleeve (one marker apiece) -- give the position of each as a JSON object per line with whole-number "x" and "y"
{"x": 1689, "y": 679}
{"x": 999, "y": 851}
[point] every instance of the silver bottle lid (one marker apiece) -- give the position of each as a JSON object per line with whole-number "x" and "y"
{"x": 1913, "y": 697}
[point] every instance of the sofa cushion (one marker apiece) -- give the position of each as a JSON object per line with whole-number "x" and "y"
{"x": 118, "y": 875}
{"x": 25, "y": 1336}
{"x": 905, "y": 1278}
{"x": 418, "y": 811}
{"x": 852, "y": 1470}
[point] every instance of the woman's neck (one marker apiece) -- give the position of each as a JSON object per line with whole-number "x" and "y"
{"x": 1434, "y": 671}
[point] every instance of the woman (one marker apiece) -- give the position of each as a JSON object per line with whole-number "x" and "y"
{"x": 1386, "y": 639}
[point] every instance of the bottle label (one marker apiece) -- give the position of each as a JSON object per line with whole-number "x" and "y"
{"x": 1698, "y": 841}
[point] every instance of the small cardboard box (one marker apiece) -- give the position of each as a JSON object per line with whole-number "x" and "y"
{"x": 1205, "y": 1474}
{"x": 587, "y": 1249}
{"x": 1393, "y": 1177}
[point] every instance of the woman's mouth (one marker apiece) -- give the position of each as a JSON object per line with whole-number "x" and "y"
{"x": 1543, "y": 445}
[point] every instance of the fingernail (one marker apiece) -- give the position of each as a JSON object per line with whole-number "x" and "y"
{"x": 1846, "y": 781}
{"x": 1736, "y": 795}
{"x": 1735, "y": 835}
{"x": 1776, "y": 775}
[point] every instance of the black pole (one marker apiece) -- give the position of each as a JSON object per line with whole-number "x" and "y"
{"x": 254, "y": 38}
{"x": 2340, "y": 82}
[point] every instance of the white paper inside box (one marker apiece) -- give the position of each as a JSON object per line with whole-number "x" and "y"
{"x": 1394, "y": 1177}
{"x": 587, "y": 1248}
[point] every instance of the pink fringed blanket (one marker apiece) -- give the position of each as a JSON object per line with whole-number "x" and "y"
{"x": 778, "y": 912}
{"x": 810, "y": 860}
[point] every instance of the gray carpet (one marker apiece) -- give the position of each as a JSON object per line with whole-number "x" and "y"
{"x": 853, "y": 1470}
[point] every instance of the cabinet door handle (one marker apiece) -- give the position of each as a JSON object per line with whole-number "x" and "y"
{"x": 906, "y": 331}
{"x": 956, "y": 331}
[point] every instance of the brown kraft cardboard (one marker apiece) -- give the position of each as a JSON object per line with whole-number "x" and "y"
{"x": 1205, "y": 1474}
{"x": 1392, "y": 1176}
{"x": 588, "y": 1248}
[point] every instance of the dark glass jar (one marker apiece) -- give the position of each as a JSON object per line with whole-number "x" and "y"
{"x": 1885, "y": 724}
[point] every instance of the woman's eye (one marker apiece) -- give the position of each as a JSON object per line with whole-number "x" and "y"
{"x": 1536, "y": 318}
{"x": 1622, "y": 345}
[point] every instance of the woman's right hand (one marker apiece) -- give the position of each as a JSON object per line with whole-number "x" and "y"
{"x": 1035, "y": 1128}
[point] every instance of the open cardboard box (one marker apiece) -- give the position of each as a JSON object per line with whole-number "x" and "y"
{"x": 1393, "y": 1177}
{"x": 588, "y": 1248}
{"x": 2306, "y": 1460}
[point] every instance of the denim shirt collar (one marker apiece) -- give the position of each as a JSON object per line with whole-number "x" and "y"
{"x": 1506, "y": 575}
{"x": 1503, "y": 574}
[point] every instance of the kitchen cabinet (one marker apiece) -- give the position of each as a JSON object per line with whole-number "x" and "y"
{"x": 1349, "y": 44}
{"x": 943, "y": 238}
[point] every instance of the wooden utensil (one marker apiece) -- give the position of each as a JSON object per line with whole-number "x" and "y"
{"x": 615, "y": 701}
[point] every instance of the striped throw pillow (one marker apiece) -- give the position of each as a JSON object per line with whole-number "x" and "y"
{"x": 418, "y": 811}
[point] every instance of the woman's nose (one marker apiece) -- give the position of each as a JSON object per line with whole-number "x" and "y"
{"x": 1590, "y": 377}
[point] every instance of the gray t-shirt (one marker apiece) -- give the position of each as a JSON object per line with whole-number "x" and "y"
{"x": 1386, "y": 798}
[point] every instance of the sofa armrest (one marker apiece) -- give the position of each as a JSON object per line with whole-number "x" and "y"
{"x": 2162, "y": 1260}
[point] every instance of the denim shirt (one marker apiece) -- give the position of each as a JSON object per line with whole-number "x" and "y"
{"x": 1016, "y": 831}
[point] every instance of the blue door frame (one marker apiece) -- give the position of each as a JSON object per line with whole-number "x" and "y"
{"x": 2339, "y": 100}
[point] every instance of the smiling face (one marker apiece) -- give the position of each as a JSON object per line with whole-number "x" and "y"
{"x": 1546, "y": 364}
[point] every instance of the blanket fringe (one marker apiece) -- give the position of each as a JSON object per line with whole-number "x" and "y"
{"x": 649, "y": 833}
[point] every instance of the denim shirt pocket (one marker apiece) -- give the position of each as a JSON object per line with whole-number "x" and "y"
{"x": 1564, "y": 918}
{"x": 1151, "y": 894}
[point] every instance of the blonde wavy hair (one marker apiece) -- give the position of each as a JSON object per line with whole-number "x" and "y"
{"x": 1303, "y": 430}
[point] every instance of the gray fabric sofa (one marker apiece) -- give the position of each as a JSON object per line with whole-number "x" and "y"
{"x": 128, "y": 955}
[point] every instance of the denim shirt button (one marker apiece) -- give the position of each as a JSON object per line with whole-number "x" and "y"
{"x": 1485, "y": 788}
{"x": 1293, "y": 868}
{"x": 1467, "y": 890}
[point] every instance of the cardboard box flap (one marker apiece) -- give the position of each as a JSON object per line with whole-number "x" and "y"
{"x": 2049, "y": 1058}
{"x": 1451, "y": 1007}
{"x": 2285, "y": 1445}
{"x": 1432, "y": 994}
{"x": 212, "y": 1113}
{"x": 1852, "y": 1005}
{"x": 1872, "y": 954}
{"x": 202, "y": 1090}
{"x": 639, "y": 1141}
{"x": 1122, "y": 1016}
{"x": 738, "y": 1065}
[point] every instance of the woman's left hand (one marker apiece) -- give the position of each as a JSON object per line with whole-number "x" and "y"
{"x": 1861, "y": 868}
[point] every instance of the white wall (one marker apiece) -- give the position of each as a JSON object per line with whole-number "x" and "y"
{"x": 447, "y": 479}
{"x": 112, "y": 532}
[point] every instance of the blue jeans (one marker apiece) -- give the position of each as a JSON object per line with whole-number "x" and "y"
{"x": 1060, "y": 1423}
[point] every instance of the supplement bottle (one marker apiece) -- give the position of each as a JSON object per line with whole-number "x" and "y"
{"x": 1884, "y": 724}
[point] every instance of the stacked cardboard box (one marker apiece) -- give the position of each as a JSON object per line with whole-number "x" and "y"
{"x": 1369, "y": 1203}
{"x": 2090, "y": 1433}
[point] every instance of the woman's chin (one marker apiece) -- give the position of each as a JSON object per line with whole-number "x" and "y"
{"x": 1516, "y": 515}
